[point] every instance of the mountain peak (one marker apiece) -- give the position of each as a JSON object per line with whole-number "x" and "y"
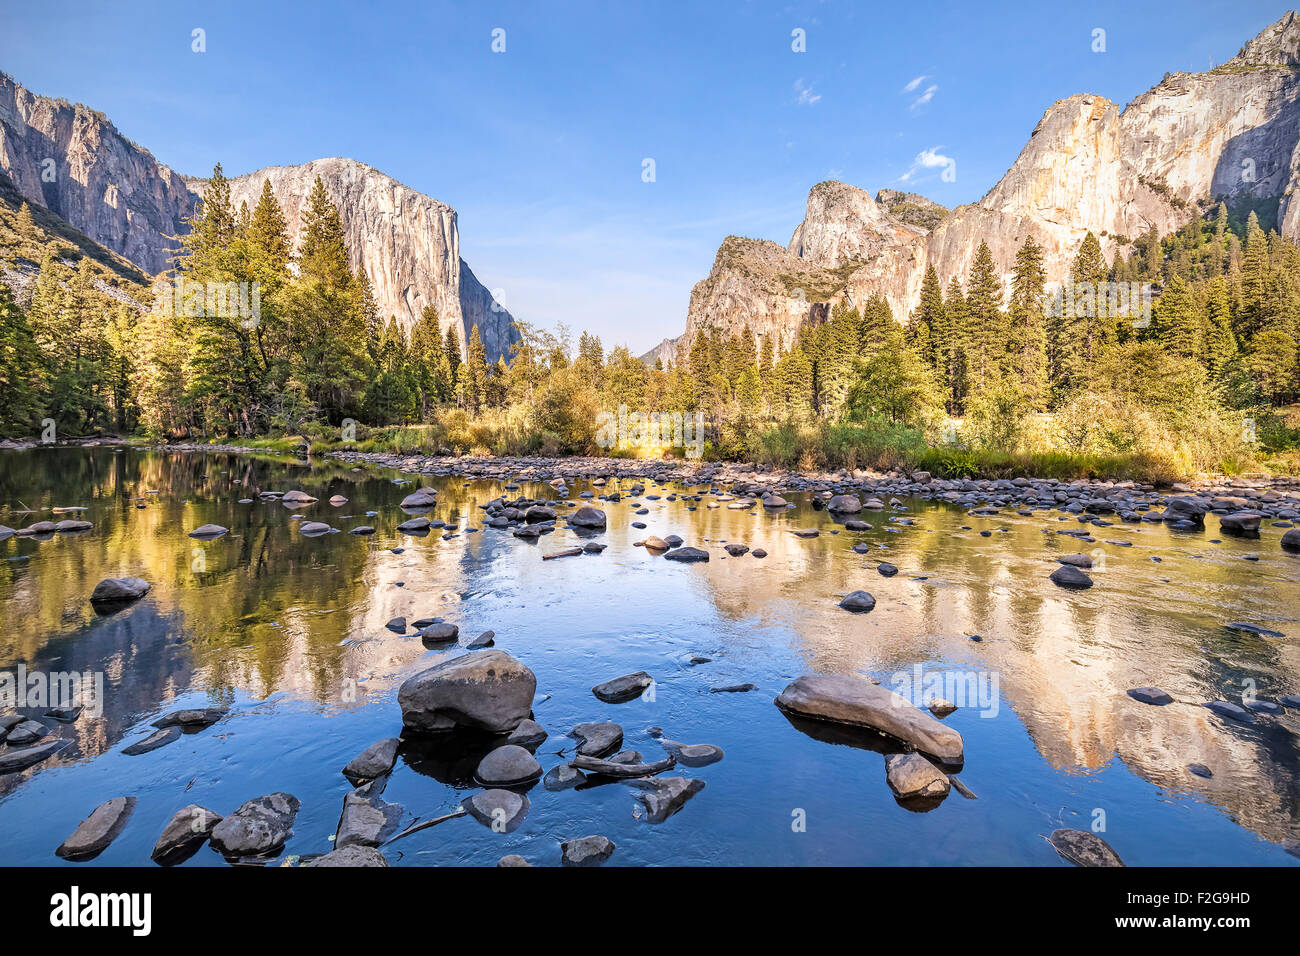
{"x": 1278, "y": 44}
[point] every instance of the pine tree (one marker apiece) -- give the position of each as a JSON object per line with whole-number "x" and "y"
{"x": 1178, "y": 325}
{"x": 1028, "y": 330}
{"x": 986, "y": 337}
{"x": 322, "y": 251}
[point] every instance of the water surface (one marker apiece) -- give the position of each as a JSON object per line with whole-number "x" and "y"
{"x": 288, "y": 631}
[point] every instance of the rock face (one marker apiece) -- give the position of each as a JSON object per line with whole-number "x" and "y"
{"x": 118, "y": 194}
{"x": 1233, "y": 131}
{"x": 842, "y": 699}
{"x": 488, "y": 690}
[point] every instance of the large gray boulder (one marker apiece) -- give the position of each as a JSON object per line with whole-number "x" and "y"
{"x": 488, "y": 690}
{"x": 588, "y": 517}
{"x": 842, "y": 699}
{"x": 844, "y": 504}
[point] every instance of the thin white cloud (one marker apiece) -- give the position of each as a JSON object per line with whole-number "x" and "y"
{"x": 915, "y": 83}
{"x": 807, "y": 97}
{"x": 925, "y": 97}
{"x": 927, "y": 159}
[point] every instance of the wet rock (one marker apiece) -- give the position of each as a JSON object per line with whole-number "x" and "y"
{"x": 805, "y": 533}
{"x": 1231, "y": 711}
{"x": 98, "y": 830}
{"x": 858, "y": 601}
{"x": 488, "y": 690}
{"x": 500, "y": 810}
{"x": 64, "y": 715}
{"x": 366, "y": 821}
{"x": 73, "y": 526}
{"x": 538, "y": 513}
{"x": 1291, "y": 541}
{"x": 1084, "y": 848}
{"x": 486, "y": 639}
{"x": 732, "y": 689}
{"x": 436, "y": 634}
{"x": 692, "y": 755}
{"x": 886, "y": 569}
{"x": 257, "y": 828}
{"x": 351, "y": 856}
{"x": 116, "y": 591}
{"x": 594, "y": 547}
{"x": 1068, "y": 576}
{"x": 191, "y": 718}
{"x": 566, "y": 553}
{"x": 296, "y": 497}
{"x": 942, "y": 708}
{"x": 843, "y": 699}
{"x": 362, "y": 529}
{"x": 664, "y": 796}
{"x": 508, "y": 766}
{"x": 1264, "y": 707}
{"x": 613, "y": 768}
{"x": 563, "y": 777}
{"x": 1076, "y": 560}
{"x": 586, "y": 851}
{"x": 159, "y": 738}
{"x": 597, "y": 739}
{"x": 1200, "y": 770}
{"x": 1240, "y": 522}
{"x": 626, "y": 757}
{"x": 513, "y": 859}
{"x": 415, "y": 525}
{"x": 588, "y": 517}
{"x": 314, "y": 529}
{"x": 375, "y": 761}
{"x": 529, "y": 735}
{"x": 420, "y": 498}
{"x": 622, "y": 689}
{"x": 1245, "y": 628}
{"x": 736, "y": 550}
{"x": 844, "y": 504}
{"x": 397, "y": 625}
{"x": 13, "y": 759}
{"x": 912, "y": 777}
{"x": 185, "y": 832}
{"x": 27, "y": 732}
{"x": 1150, "y": 695}
{"x": 687, "y": 555}
{"x": 208, "y": 531}
{"x": 758, "y": 553}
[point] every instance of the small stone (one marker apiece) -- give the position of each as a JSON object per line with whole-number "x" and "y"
{"x": 858, "y": 601}
{"x": 500, "y": 810}
{"x": 209, "y": 531}
{"x": 1068, "y": 576}
{"x": 598, "y": 738}
{"x": 912, "y": 777}
{"x": 185, "y": 832}
{"x": 1150, "y": 695}
{"x": 1083, "y": 848}
{"x": 375, "y": 761}
{"x": 563, "y": 777}
{"x": 159, "y": 738}
{"x": 622, "y": 689}
{"x": 114, "y": 591}
{"x": 586, "y": 851}
{"x": 664, "y": 796}
{"x": 486, "y": 639}
{"x": 513, "y": 859}
{"x": 529, "y": 735}
{"x": 508, "y": 766}
{"x": 687, "y": 555}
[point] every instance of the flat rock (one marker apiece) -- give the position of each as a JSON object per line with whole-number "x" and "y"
{"x": 191, "y": 718}
{"x": 842, "y": 699}
{"x": 563, "y": 777}
{"x": 13, "y": 759}
{"x": 529, "y": 735}
{"x": 692, "y": 755}
{"x": 351, "y": 856}
{"x": 1226, "y": 708}
{"x": 1068, "y": 576}
{"x": 159, "y": 738}
{"x": 687, "y": 555}
{"x": 1084, "y": 848}
{"x": 209, "y": 531}
{"x": 614, "y": 768}
{"x": 596, "y": 739}
{"x": 27, "y": 732}
{"x": 98, "y": 830}
{"x": 436, "y": 634}
{"x": 488, "y": 690}
{"x": 1150, "y": 695}
{"x": 486, "y": 639}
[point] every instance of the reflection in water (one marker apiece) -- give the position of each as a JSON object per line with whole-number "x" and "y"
{"x": 266, "y": 614}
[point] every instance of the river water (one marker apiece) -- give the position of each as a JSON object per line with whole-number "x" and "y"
{"x": 288, "y": 632}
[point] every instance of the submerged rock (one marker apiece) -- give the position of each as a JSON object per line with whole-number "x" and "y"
{"x": 563, "y": 777}
{"x": 209, "y": 531}
{"x": 597, "y": 739}
{"x": 191, "y": 718}
{"x": 1068, "y": 576}
{"x": 622, "y": 770}
{"x": 513, "y": 859}
{"x": 843, "y": 699}
{"x": 687, "y": 555}
{"x": 112, "y": 591}
{"x": 1084, "y": 848}
{"x": 366, "y": 821}
{"x": 159, "y": 738}
{"x": 13, "y": 759}
{"x": 98, "y": 830}
{"x": 692, "y": 755}
{"x": 1225, "y": 708}
{"x": 488, "y": 690}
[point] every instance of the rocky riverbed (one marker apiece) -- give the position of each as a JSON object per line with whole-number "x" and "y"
{"x": 378, "y": 661}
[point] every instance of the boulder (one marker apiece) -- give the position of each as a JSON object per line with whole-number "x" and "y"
{"x": 664, "y": 796}
{"x": 844, "y": 504}
{"x": 1069, "y": 577}
{"x": 375, "y": 761}
{"x": 208, "y": 531}
{"x": 351, "y": 856}
{"x": 487, "y": 690}
{"x": 1084, "y": 848}
{"x": 98, "y": 830}
{"x": 858, "y": 601}
{"x": 257, "y": 828}
{"x": 508, "y": 766}
{"x": 366, "y": 821}
{"x": 119, "y": 590}
{"x": 854, "y": 701}
{"x": 500, "y": 810}
{"x": 185, "y": 832}
{"x": 912, "y": 777}
{"x": 588, "y": 517}
{"x": 686, "y": 555}
{"x": 586, "y": 851}
{"x": 622, "y": 689}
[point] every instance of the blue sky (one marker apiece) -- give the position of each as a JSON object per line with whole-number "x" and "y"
{"x": 541, "y": 148}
